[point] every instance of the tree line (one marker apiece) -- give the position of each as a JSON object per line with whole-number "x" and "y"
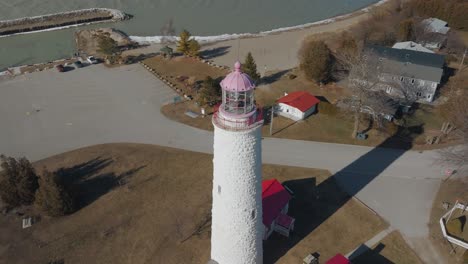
{"x": 21, "y": 185}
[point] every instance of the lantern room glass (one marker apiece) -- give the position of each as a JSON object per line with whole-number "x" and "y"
{"x": 238, "y": 102}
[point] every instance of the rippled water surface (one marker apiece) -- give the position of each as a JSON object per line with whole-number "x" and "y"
{"x": 201, "y": 17}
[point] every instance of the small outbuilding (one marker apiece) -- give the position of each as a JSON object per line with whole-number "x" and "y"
{"x": 338, "y": 259}
{"x": 297, "y": 105}
{"x": 275, "y": 202}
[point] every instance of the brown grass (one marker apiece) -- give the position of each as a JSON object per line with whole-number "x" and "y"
{"x": 392, "y": 249}
{"x": 449, "y": 191}
{"x": 159, "y": 197}
{"x": 183, "y": 66}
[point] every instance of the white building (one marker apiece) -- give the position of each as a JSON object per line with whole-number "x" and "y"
{"x": 420, "y": 72}
{"x": 237, "y": 229}
{"x": 436, "y": 33}
{"x": 297, "y": 105}
{"x": 410, "y": 45}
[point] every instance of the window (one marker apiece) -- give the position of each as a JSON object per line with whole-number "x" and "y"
{"x": 253, "y": 214}
{"x": 412, "y": 80}
{"x": 401, "y": 78}
{"x": 389, "y": 90}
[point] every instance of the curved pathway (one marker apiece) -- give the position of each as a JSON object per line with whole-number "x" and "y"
{"x": 47, "y": 113}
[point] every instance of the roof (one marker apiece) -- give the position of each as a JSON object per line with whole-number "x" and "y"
{"x": 410, "y": 45}
{"x": 410, "y": 63}
{"x": 285, "y": 220}
{"x": 338, "y": 259}
{"x": 301, "y": 100}
{"x": 436, "y": 25}
{"x": 237, "y": 81}
{"x": 274, "y": 199}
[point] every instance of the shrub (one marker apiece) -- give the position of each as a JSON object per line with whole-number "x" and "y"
{"x": 292, "y": 76}
{"x": 327, "y": 109}
{"x": 315, "y": 60}
{"x": 52, "y": 197}
{"x": 107, "y": 45}
{"x": 18, "y": 181}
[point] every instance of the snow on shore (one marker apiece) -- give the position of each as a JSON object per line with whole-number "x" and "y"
{"x": 224, "y": 37}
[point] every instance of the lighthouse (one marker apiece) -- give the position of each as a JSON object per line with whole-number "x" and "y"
{"x": 237, "y": 230}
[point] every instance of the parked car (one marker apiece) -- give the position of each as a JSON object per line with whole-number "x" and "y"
{"x": 78, "y": 64}
{"x": 60, "y": 68}
{"x": 92, "y": 60}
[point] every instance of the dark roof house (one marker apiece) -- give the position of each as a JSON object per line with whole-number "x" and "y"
{"x": 410, "y": 63}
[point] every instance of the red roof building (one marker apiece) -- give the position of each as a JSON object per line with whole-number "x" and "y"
{"x": 297, "y": 105}
{"x": 338, "y": 259}
{"x": 275, "y": 202}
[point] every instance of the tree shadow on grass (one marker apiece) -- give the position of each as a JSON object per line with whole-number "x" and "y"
{"x": 86, "y": 182}
{"x": 372, "y": 256}
{"x": 273, "y": 77}
{"x": 214, "y": 52}
{"x": 314, "y": 204}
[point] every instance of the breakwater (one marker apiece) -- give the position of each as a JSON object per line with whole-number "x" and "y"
{"x": 59, "y": 20}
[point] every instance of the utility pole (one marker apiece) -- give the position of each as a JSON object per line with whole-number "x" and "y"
{"x": 271, "y": 119}
{"x": 463, "y": 60}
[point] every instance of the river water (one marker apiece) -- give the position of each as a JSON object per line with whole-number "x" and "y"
{"x": 200, "y": 17}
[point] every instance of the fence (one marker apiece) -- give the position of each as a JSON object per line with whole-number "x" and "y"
{"x": 241, "y": 124}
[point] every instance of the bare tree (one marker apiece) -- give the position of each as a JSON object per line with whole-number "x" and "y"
{"x": 376, "y": 85}
{"x": 458, "y": 156}
{"x": 168, "y": 32}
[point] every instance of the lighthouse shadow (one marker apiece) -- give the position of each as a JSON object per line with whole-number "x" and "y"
{"x": 314, "y": 203}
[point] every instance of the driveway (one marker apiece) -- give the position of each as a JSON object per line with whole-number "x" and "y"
{"x": 47, "y": 113}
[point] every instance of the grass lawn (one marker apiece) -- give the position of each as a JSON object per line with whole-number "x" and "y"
{"x": 391, "y": 249}
{"x": 143, "y": 203}
{"x": 450, "y": 191}
{"x": 318, "y": 127}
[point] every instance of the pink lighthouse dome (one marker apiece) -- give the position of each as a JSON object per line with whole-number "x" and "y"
{"x": 238, "y": 107}
{"x": 237, "y": 81}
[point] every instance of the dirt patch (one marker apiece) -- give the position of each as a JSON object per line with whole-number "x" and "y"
{"x": 88, "y": 40}
{"x": 449, "y": 191}
{"x": 162, "y": 196}
{"x": 184, "y": 72}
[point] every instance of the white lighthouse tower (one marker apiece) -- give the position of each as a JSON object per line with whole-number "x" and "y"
{"x": 237, "y": 231}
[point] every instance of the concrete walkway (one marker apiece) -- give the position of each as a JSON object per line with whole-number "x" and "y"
{"x": 47, "y": 113}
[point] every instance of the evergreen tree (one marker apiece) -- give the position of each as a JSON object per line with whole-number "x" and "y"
{"x": 52, "y": 196}
{"x": 250, "y": 67}
{"x": 210, "y": 91}
{"x": 18, "y": 181}
{"x": 193, "y": 48}
{"x": 183, "y": 43}
{"x": 107, "y": 45}
{"x": 315, "y": 60}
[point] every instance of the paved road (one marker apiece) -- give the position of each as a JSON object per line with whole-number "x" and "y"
{"x": 47, "y": 113}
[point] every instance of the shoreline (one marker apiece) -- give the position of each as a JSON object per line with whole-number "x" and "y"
{"x": 226, "y": 37}
{"x": 282, "y": 36}
{"x": 61, "y": 20}
{"x": 276, "y": 51}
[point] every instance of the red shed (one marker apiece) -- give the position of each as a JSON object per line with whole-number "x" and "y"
{"x": 297, "y": 105}
{"x": 275, "y": 202}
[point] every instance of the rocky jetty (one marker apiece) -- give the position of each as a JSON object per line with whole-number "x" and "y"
{"x": 60, "y": 20}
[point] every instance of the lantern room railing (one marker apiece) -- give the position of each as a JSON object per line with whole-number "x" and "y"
{"x": 238, "y": 124}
